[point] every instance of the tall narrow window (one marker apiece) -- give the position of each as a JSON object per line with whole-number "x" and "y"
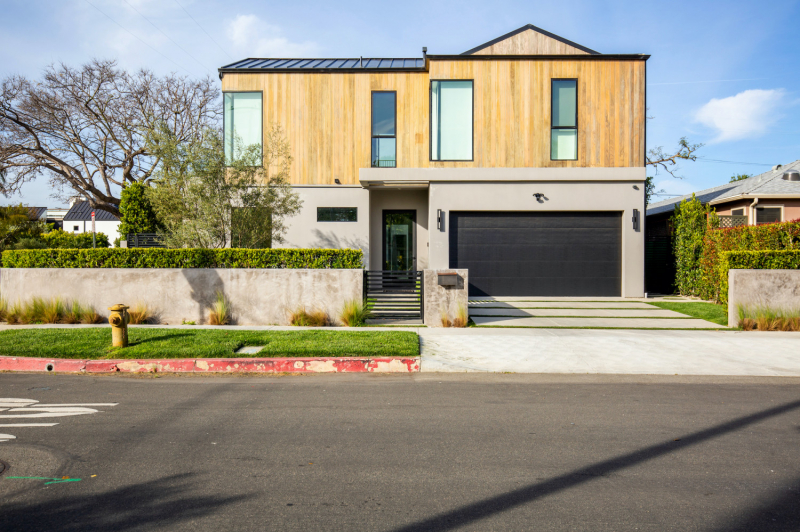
{"x": 242, "y": 123}
{"x": 564, "y": 115}
{"x": 384, "y": 129}
{"x": 451, "y": 120}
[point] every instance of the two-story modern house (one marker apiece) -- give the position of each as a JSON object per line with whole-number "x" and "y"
{"x": 522, "y": 160}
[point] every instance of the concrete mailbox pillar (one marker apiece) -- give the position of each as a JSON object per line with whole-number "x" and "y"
{"x": 444, "y": 291}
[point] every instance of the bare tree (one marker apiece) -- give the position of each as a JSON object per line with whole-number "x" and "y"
{"x": 668, "y": 161}
{"x": 86, "y": 128}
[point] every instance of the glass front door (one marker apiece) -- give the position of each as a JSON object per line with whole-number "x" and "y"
{"x": 399, "y": 240}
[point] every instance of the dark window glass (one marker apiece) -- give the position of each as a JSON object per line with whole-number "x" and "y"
{"x": 768, "y": 215}
{"x": 384, "y": 129}
{"x": 337, "y": 214}
{"x": 737, "y": 212}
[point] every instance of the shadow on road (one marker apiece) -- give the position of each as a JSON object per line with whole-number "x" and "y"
{"x": 163, "y": 503}
{"x": 476, "y": 511}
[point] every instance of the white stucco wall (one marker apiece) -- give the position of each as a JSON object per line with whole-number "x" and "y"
{"x": 303, "y": 230}
{"x": 618, "y": 196}
{"x": 110, "y": 229}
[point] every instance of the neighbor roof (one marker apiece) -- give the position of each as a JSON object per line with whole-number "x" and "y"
{"x": 527, "y": 27}
{"x": 325, "y": 65}
{"x": 82, "y": 211}
{"x": 37, "y": 213}
{"x": 767, "y": 184}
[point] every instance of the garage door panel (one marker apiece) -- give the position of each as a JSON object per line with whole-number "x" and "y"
{"x": 545, "y": 254}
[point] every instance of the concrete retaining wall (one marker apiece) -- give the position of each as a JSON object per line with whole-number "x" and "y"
{"x": 774, "y": 289}
{"x": 438, "y": 299}
{"x": 257, "y": 296}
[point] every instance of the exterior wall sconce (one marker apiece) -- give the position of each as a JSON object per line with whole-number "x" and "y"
{"x": 337, "y": 181}
{"x": 636, "y": 220}
{"x": 440, "y": 219}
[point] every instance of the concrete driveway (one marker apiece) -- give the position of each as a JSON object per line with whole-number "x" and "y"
{"x": 611, "y": 312}
{"x": 657, "y": 352}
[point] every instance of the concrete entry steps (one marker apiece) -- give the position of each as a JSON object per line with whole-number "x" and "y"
{"x": 616, "y": 323}
{"x": 575, "y": 312}
{"x": 476, "y": 305}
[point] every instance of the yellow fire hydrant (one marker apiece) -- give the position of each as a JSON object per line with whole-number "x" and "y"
{"x": 119, "y": 319}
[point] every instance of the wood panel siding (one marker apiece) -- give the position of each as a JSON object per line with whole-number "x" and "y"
{"x": 529, "y": 42}
{"x": 326, "y": 116}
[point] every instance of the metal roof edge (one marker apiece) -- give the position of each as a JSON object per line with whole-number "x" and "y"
{"x": 570, "y": 57}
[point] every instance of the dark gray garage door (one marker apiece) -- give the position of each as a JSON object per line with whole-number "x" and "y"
{"x": 538, "y": 254}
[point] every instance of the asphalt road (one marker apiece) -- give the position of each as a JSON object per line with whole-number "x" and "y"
{"x": 420, "y": 452}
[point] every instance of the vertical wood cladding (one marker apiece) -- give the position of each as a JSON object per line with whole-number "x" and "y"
{"x": 326, "y": 116}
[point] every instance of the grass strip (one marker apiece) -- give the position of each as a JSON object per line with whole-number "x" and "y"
{"x": 705, "y": 311}
{"x": 147, "y": 343}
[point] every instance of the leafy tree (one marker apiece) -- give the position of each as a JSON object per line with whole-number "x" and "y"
{"x": 690, "y": 222}
{"x": 205, "y": 201}
{"x": 739, "y": 177}
{"x": 136, "y": 211}
{"x": 86, "y": 128}
{"x": 16, "y": 223}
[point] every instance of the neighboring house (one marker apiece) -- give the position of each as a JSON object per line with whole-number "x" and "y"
{"x": 773, "y": 196}
{"x": 770, "y": 197}
{"x": 78, "y": 219}
{"x": 50, "y": 216}
{"x": 522, "y": 160}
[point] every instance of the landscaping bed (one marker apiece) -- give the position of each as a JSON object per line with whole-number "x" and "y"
{"x": 163, "y": 343}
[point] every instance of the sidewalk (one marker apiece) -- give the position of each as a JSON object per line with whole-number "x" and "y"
{"x": 611, "y": 351}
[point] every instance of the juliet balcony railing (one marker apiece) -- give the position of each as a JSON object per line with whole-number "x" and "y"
{"x": 384, "y": 163}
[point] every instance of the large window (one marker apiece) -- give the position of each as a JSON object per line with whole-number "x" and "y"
{"x": 337, "y": 214}
{"x": 451, "y": 120}
{"x": 242, "y": 122}
{"x": 564, "y": 115}
{"x": 384, "y": 129}
{"x": 768, "y": 215}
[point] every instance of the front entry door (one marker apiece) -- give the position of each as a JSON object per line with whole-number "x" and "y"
{"x": 399, "y": 240}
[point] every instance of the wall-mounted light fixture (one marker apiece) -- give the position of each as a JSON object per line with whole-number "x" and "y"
{"x": 635, "y": 187}
{"x": 635, "y": 220}
{"x": 337, "y": 181}
{"x": 440, "y": 219}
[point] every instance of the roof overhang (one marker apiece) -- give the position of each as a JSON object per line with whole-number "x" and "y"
{"x": 728, "y": 199}
{"x": 562, "y": 57}
{"x": 422, "y": 177}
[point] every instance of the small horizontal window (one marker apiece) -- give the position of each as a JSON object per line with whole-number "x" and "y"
{"x": 337, "y": 214}
{"x": 737, "y": 212}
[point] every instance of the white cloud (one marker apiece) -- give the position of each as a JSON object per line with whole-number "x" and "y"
{"x": 745, "y": 115}
{"x": 252, "y": 37}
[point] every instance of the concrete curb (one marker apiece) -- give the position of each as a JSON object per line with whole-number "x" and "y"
{"x": 216, "y": 365}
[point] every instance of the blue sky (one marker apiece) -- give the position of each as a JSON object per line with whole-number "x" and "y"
{"x": 724, "y": 73}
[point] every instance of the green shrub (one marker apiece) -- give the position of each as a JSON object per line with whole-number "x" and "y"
{"x": 59, "y": 239}
{"x": 184, "y": 258}
{"x": 691, "y": 221}
{"x": 355, "y": 313}
{"x": 777, "y": 236}
{"x": 786, "y": 259}
{"x": 136, "y": 211}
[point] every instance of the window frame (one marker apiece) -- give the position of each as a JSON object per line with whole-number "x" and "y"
{"x": 430, "y": 129}
{"x": 372, "y": 124}
{"x": 336, "y": 221}
{"x": 552, "y": 127}
{"x": 225, "y": 123}
{"x": 755, "y": 214}
{"x": 743, "y": 209}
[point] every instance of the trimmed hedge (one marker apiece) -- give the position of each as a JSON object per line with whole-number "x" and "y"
{"x": 184, "y": 258}
{"x": 770, "y": 237}
{"x": 785, "y": 259}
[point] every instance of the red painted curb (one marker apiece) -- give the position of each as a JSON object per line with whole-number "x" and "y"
{"x": 215, "y": 365}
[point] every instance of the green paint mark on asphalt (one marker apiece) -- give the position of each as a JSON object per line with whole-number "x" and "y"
{"x": 52, "y": 480}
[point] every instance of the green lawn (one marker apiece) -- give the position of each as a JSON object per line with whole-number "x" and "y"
{"x": 705, "y": 311}
{"x": 95, "y": 343}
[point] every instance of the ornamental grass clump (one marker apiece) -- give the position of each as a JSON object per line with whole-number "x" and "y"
{"x": 763, "y": 318}
{"x": 220, "y": 311}
{"x": 303, "y": 318}
{"x": 53, "y": 311}
{"x": 3, "y": 309}
{"x": 141, "y": 313}
{"x": 462, "y": 316}
{"x": 355, "y": 313}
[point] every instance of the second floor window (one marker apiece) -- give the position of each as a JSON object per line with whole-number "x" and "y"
{"x": 564, "y": 120}
{"x": 384, "y": 129}
{"x": 451, "y": 120}
{"x": 242, "y": 122}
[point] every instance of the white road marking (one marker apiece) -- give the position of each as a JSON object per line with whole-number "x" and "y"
{"x": 29, "y": 425}
{"x": 30, "y": 408}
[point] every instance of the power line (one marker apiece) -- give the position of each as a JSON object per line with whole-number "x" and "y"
{"x": 705, "y": 160}
{"x": 204, "y": 31}
{"x": 708, "y": 81}
{"x": 134, "y": 35}
{"x": 167, "y": 36}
